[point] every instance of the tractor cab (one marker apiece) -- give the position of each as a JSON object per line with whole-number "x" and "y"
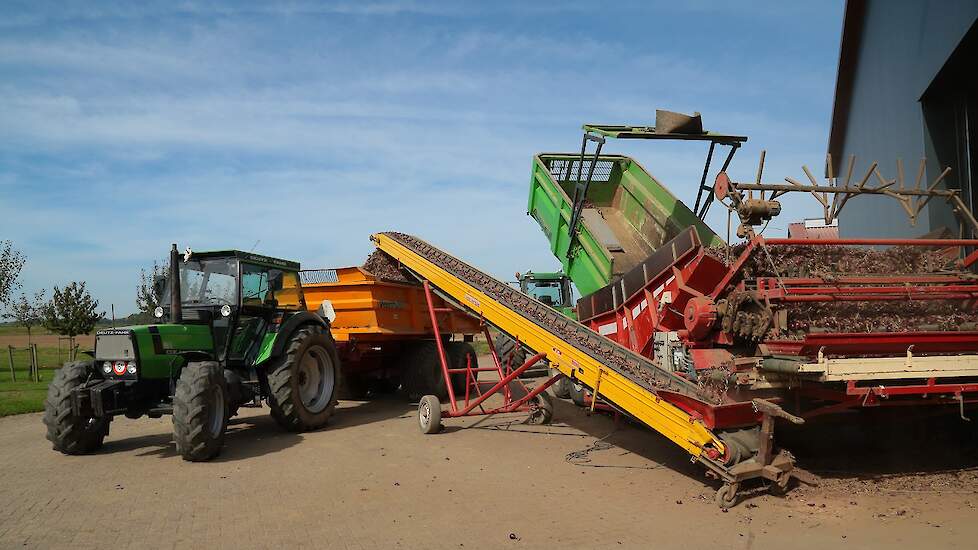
{"x": 241, "y": 296}
{"x": 552, "y": 289}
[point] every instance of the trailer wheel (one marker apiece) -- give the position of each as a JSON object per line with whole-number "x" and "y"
{"x": 303, "y": 384}
{"x": 726, "y": 496}
{"x": 458, "y": 354}
{"x": 68, "y": 433}
{"x": 541, "y": 409}
{"x": 429, "y": 414}
{"x": 200, "y": 411}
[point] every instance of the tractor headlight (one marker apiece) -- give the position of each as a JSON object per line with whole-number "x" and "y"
{"x": 130, "y": 367}
{"x": 107, "y": 367}
{"x": 158, "y": 312}
{"x": 226, "y": 310}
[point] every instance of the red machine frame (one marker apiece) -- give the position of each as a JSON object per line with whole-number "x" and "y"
{"x": 475, "y": 396}
{"x": 678, "y": 288}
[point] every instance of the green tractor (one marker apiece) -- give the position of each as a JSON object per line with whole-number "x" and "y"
{"x": 552, "y": 289}
{"x": 234, "y": 332}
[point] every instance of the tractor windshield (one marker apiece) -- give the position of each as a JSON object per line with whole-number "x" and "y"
{"x": 208, "y": 281}
{"x": 548, "y": 292}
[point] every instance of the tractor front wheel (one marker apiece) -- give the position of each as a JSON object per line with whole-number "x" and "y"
{"x": 200, "y": 411}
{"x": 303, "y": 385}
{"x": 68, "y": 433}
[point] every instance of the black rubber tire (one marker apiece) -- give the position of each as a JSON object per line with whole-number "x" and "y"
{"x": 544, "y": 410}
{"x": 429, "y": 415}
{"x": 201, "y": 394}
{"x": 286, "y": 378}
{"x": 70, "y": 434}
{"x": 422, "y": 370}
{"x": 508, "y": 352}
{"x": 416, "y": 363}
{"x": 459, "y": 354}
{"x": 562, "y": 387}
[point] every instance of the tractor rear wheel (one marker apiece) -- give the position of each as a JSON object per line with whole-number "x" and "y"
{"x": 68, "y": 433}
{"x": 422, "y": 369}
{"x": 200, "y": 411}
{"x": 576, "y": 391}
{"x": 303, "y": 385}
{"x": 509, "y": 352}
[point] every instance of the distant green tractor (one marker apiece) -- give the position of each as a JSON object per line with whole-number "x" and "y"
{"x": 237, "y": 333}
{"x": 552, "y": 289}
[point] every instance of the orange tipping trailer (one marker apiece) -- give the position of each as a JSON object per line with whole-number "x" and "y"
{"x": 383, "y": 330}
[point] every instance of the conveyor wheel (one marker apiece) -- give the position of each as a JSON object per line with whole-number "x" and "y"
{"x": 429, "y": 414}
{"x": 780, "y": 485}
{"x": 727, "y": 495}
{"x": 541, "y": 409}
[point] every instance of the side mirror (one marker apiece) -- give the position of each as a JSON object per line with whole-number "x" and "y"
{"x": 159, "y": 286}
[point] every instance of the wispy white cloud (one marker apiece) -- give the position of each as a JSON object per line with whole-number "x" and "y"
{"x": 308, "y": 126}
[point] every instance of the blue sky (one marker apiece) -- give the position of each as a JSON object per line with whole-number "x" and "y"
{"x": 307, "y": 126}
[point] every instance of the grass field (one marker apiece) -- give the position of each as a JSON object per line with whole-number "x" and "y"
{"x": 25, "y": 396}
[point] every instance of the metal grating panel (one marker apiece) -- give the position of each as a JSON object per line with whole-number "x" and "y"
{"x": 318, "y": 276}
{"x": 566, "y": 170}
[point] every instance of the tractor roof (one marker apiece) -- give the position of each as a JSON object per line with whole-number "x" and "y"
{"x": 249, "y": 257}
{"x": 544, "y": 275}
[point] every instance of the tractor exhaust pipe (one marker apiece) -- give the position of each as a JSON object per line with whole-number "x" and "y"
{"x": 176, "y": 311}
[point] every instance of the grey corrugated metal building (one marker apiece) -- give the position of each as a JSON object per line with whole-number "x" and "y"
{"x": 907, "y": 88}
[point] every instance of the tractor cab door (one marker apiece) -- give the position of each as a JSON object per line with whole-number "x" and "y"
{"x": 266, "y": 293}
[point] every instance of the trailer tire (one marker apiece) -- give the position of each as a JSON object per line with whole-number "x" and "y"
{"x": 70, "y": 434}
{"x": 429, "y": 414}
{"x": 303, "y": 384}
{"x": 201, "y": 405}
{"x": 459, "y": 354}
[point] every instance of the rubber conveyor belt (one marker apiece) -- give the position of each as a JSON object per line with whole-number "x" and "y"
{"x": 620, "y": 376}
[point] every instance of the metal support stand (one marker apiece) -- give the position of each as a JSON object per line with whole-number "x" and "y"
{"x": 536, "y": 401}
{"x": 777, "y": 468}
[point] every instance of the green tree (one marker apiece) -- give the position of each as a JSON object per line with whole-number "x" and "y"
{"x": 71, "y": 312}
{"x": 27, "y": 313}
{"x": 147, "y": 299}
{"x": 11, "y": 262}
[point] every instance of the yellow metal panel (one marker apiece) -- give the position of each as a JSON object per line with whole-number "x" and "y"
{"x": 663, "y": 417}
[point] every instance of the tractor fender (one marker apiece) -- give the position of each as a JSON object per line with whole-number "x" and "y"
{"x": 292, "y": 324}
